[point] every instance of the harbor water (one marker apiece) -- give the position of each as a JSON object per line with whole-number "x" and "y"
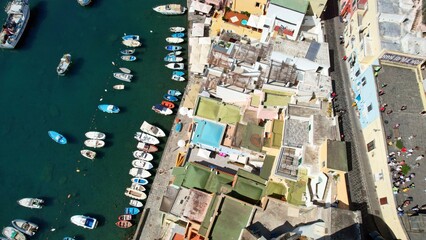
{"x": 34, "y": 100}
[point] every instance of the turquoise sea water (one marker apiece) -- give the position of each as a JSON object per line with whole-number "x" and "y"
{"x": 34, "y": 99}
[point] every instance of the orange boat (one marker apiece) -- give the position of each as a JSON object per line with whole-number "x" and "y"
{"x": 168, "y": 104}
{"x": 123, "y": 224}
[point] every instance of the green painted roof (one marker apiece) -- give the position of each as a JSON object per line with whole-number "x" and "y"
{"x": 209, "y": 214}
{"x": 277, "y": 130}
{"x": 266, "y": 170}
{"x": 252, "y": 137}
{"x": 296, "y": 5}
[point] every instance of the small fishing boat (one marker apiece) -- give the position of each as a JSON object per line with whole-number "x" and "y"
{"x": 18, "y": 13}
{"x": 123, "y": 224}
{"x": 178, "y": 35}
{"x": 174, "y": 92}
{"x": 176, "y": 29}
{"x": 126, "y": 217}
{"x": 173, "y": 48}
{"x": 84, "y": 2}
{"x": 64, "y": 63}
{"x": 146, "y": 138}
{"x": 125, "y": 70}
{"x": 170, "y": 9}
{"x": 140, "y": 181}
{"x": 151, "y": 129}
{"x": 123, "y": 76}
{"x": 168, "y": 104}
{"x": 127, "y": 51}
{"x": 68, "y": 238}
{"x": 57, "y": 137}
{"x": 128, "y": 58}
{"x": 137, "y": 187}
{"x": 31, "y": 202}
{"x": 174, "y": 53}
{"x": 135, "y": 203}
{"x": 13, "y": 234}
{"x": 174, "y": 40}
{"x": 178, "y": 127}
{"x": 170, "y": 98}
{"x": 132, "y": 210}
{"x": 158, "y": 108}
{"x": 93, "y": 143}
{"x": 108, "y": 108}
{"x": 26, "y": 227}
{"x": 131, "y": 43}
{"x": 95, "y": 135}
{"x": 146, "y": 147}
{"x": 88, "y": 154}
{"x": 135, "y": 194}
{"x": 84, "y": 221}
{"x": 176, "y": 66}
{"x": 143, "y": 155}
{"x": 118, "y": 87}
{"x": 142, "y": 164}
{"x": 178, "y": 73}
{"x": 178, "y": 78}
{"x": 173, "y": 58}
{"x": 141, "y": 173}
{"x": 130, "y": 37}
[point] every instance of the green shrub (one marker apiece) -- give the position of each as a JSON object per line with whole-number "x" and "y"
{"x": 405, "y": 169}
{"x": 399, "y": 144}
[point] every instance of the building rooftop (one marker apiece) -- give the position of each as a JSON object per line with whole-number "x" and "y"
{"x": 298, "y": 6}
{"x": 289, "y": 160}
{"x": 337, "y": 155}
{"x": 296, "y": 131}
{"x": 197, "y": 205}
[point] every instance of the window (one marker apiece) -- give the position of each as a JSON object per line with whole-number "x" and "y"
{"x": 363, "y": 81}
{"x": 371, "y": 146}
{"x": 358, "y": 73}
{"x": 369, "y": 108}
{"x": 257, "y": 4}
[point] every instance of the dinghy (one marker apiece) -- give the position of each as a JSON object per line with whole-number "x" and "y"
{"x": 88, "y": 154}
{"x": 174, "y": 92}
{"x": 93, "y": 143}
{"x": 118, "y": 87}
{"x": 174, "y": 53}
{"x": 123, "y": 224}
{"x": 168, "y": 104}
{"x": 135, "y": 203}
{"x": 178, "y": 35}
{"x": 170, "y": 98}
{"x": 126, "y": 217}
{"x": 173, "y": 58}
{"x": 108, "y": 108}
{"x": 131, "y": 43}
{"x": 127, "y": 51}
{"x": 140, "y": 181}
{"x": 176, "y": 29}
{"x": 128, "y": 58}
{"x": 142, "y": 164}
{"x": 26, "y": 227}
{"x": 178, "y": 73}
{"x": 132, "y": 210}
{"x": 64, "y": 64}
{"x": 146, "y": 147}
{"x": 125, "y": 70}
{"x": 57, "y": 137}
{"x": 173, "y": 48}
{"x": 178, "y": 78}
{"x": 174, "y": 40}
{"x": 130, "y": 37}
{"x": 146, "y": 138}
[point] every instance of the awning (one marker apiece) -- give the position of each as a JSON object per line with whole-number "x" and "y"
{"x": 197, "y": 29}
{"x": 201, "y": 7}
{"x": 256, "y": 21}
{"x": 203, "y": 153}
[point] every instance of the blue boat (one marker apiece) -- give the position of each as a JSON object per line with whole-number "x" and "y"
{"x": 57, "y": 137}
{"x": 130, "y": 37}
{"x": 173, "y": 48}
{"x": 174, "y": 92}
{"x": 140, "y": 181}
{"x": 68, "y": 238}
{"x": 131, "y": 210}
{"x": 84, "y": 2}
{"x": 170, "y": 98}
{"x": 108, "y": 108}
{"x": 178, "y": 73}
{"x": 178, "y": 127}
{"x": 178, "y": 35}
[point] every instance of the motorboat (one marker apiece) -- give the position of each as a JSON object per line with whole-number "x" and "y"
{"x": 176, "y": 29}
{"x": 137, "y": 172}
{"x": 174, "y": 92}
{"x": 146, "y": 138}
{"x": 95, "y": 135}
{"x": 173, "y": 58}
{"x": 84, "y": 2}
{"x": 18, "y": 13}
{"x": 174, "y": 40}
{"x": 158, "y": 108}
{"x": 127, "y": 51}
{"x": 88, "y": 154}
{"x": 143, "y": 155}
{"x": 178, "y": 35}
{"x": 178, "y": 78}
{"x": 135, "y": 203}
{"x": 173, "y": 48}
{"x": 24, "y": 226}
{"x": 168, "y": 104}
{"x": 140, "y": 181}
{"x": 175, "y": 66}
{"x": 135, "y": 194}
{"x": 174, "y": 53}
{"x": 84, "y": 221}
{"x": 57, "y": 137}
{"x": 126, "y": 217}
{"x": 170, "y": 9}
{"x": 64, "y": 64}
{"x": 123, "y": 76}
{"x": 94, "y": 143}
{"x": 125, "y": 70}
{"x": 178, "y": 73}
{"x": 108, "y": 108}
{"x": 146, "y": 147}
{"x": 170, "y": 98}
{"x": 123, "y": 224}
{"x": 118, "y": 87}
{"x": 151, "y": 129}
{"x": 31, "y": 202}
{"x": 68, "y": 238}
{"x": 142, "y": 164}
{"x": 130, "y": 37}
{"x": 131, "y": 43}
{"x": 128, "y": 58}
{"x": 132, "y": 211}
{"x": 13, "y": 234}
{"x": 138, "y": 187}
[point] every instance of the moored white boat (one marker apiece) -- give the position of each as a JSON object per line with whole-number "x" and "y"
{"x": 146, "y": 147}
{"x": 158, "y": 108}
{"x": 64, "y": 64}
{"x": 174, "y": 53}
{"x": 170, "y": 9}
{"x": 138, "y": 187}
{"x": 146, "y": 138}
{"x": 95, "y": 135}
{"x": 151, "y": 129}
{"x": 94, "y": 143}
{"x": 128, "y": 58}
{"x": 141, "y": 173}
{"x": 174, "y": 40}
{"x": 88, "y": 154}
{"x": 135, "y": 203}
{"x": 84, "y": 221}
{"x": 31, "y": 202}
{"x": 13, "y": 234}
{"x": 135, "y": 194}
{"x": 118, "y": 87}
{"x": 24, "y": 226}
{"x": 176, "y": 29}
{"x": 142, "y": 164}
{"x": 18, "y": 12}
{"x": 173, "y": 58}
{"x": 143, "y": 155}
{"x": 178, "y": 78}
{"x": 123, "y": 76}
{"x": 131, "y": 43}
{"x": 125, "y": 70}
{"x": 175, "y": 66}
{"x": 127, "y": 51}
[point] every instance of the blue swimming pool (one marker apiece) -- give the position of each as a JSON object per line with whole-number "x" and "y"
{"x": 208, "y": 133}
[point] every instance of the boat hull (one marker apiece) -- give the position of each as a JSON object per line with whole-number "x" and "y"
{"x": 131, "y": 43}
{"x": 140, "y": 173}
{"x": 57, "y": 137}
{"x": 10, "y": 41}
{"x": 176, "y": 29}
{"x": 108, "y": 108}
{"x": 143, "y": 155}
{"x": 173, "y": 48}
{"x": 88, "y": 154}
{"x": 146, "y": 138}
{"x": 123, "y": 224}
{"x": 174, "y": 40}
{"x": 175, "y": 66}
{"x": 13, "y": 233}
{"x": 135, "y": 194}
{"x": 158, "y": 108}
{"x": 146, "y": 147}
{"x": 95, "y": 135}
{"x": 140, "y": 181}
{"x": 123, "y": 76}
{"x": 132, "y": 211}
{"x": 84, "y": 221}
{"x": 142, "y": 164}
{"x": 31, "y": 203}
{"x": 25, "y": 227}
{"x": 168, "y": 104}
{"x": 135, "y": 203}
{"x": 151, "y": 129}
{"x": 94, "y": 143}
{"x": 170, "y": 98}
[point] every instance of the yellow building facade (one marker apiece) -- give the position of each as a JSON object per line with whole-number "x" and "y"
{"x": 251, "y": 6}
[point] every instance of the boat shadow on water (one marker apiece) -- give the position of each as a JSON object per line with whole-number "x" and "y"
{"x": 38, "y": 13}
{"x": 76, "y": 64}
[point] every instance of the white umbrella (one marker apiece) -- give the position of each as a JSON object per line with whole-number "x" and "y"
{"x": 181, "y": 143}
{"x": 183, "y": 110}
{"x": 190, "y": 113}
